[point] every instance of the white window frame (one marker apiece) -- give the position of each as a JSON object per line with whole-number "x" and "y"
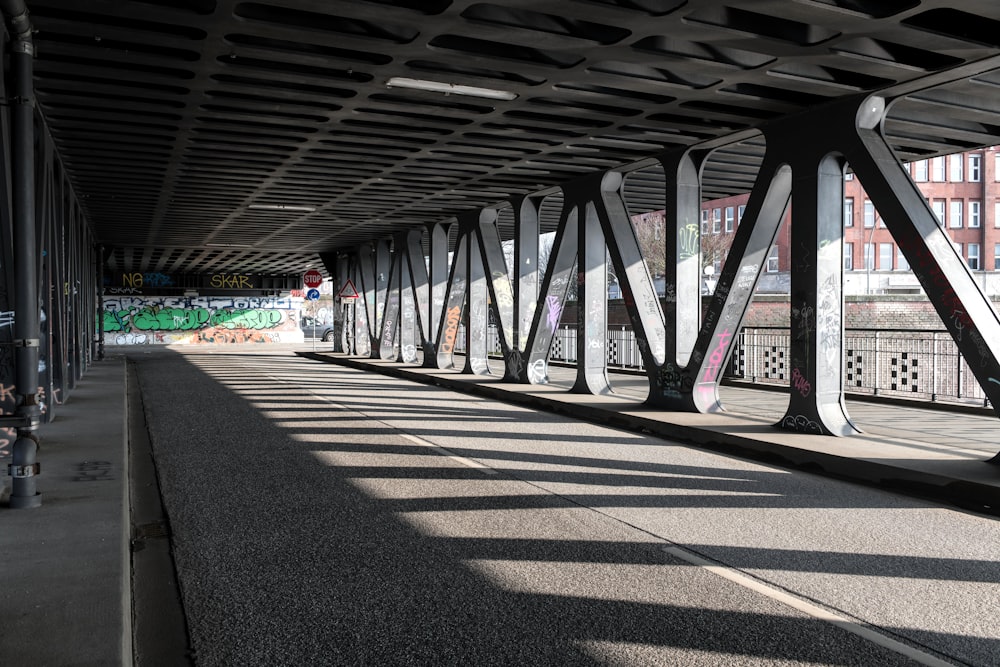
{"x": 975, "y": 167}
{"x": 975, "y": 214}
{"x": 704, "y": 221}
{"x": 920, "y": 171}
{"x": 716, "y": 220}
{"x": 973, "y": 256}
{"x": 730, "y": 222}
{"x": 869, "y": 214}
{"x": 956, "y": 210}
{"x": 848, "y": 211}
{"x": 956, "y": 163}
{"x": 740, "y": 210}
{"x": 938, "y": 206}
{"x": 848, "y": 256}
{"x": 773, "y": 261}
{"x": 885, "y": 254}
{"x": 938, "y": 169}
{"x": 869, "y": 256}
{"x": 996, "y": 256}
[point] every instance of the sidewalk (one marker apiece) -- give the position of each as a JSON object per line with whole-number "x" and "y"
{"x": 934, "y": 454}
{"x": 65, "y": 591}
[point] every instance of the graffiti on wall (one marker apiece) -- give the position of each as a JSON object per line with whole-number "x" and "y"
{"x": 199, "y": 320}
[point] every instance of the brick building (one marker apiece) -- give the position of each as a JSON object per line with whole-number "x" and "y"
{"x": 962, "y": 189}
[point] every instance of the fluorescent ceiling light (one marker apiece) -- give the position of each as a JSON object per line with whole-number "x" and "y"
{"x": 282, "y": 207}
{"x": 449, "y": 88}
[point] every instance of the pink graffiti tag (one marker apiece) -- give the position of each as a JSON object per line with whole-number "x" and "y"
{"x": 801, "y": 384}
{"x": 717, "y": 356}
{"x": 555, "y": 311}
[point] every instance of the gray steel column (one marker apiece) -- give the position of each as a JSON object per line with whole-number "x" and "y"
{"x": 951, "y": 288}
{"x": 454, "y": 303}
{"x": 408, "y": 318}
{"x": 683, "y": 266}
{"x": 555, "y": 287}
{"x": 525, "y": 269}
{"x": 592, "y": 300}
{"x": 765, "y": 210}
{"x": 640, "y": 296}
{"x": 501, "y": 293}
{"x": 816, "y": 396}
{"x": 25, "y": 466}
{"x": 389, "y": 325}
{"x": 477, "y": 327}
{"x": 420, "y": 292}
{"x": 437, "y": 273}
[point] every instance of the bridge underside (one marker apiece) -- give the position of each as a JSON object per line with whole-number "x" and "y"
{"x": 403, "y": 143}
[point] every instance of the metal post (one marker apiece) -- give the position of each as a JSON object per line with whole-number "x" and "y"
{"x": 24, "y": 466}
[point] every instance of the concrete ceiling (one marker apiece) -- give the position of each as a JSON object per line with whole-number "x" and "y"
{"x": 178, "y": 119}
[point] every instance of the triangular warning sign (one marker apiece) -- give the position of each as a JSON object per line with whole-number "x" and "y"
{"x": 348, "y": 291}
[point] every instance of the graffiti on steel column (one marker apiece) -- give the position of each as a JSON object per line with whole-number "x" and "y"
{"x": 800, "y": 383}
{"x": 746, "y": 277}
{"x": 828, "y": 336}
{"x": 555, "y": 307}
{"x": 538, "y": 372}
{"x": 688, "y": 241}
{"x": 717, "y": 356}
{"x": 802, "y": 424}
{"x": 451, "y": 322}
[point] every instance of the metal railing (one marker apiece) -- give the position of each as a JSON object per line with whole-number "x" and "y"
{"x": 914, "y": 364}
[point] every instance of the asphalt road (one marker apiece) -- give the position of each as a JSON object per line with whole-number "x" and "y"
{"x": 325, "y": 516}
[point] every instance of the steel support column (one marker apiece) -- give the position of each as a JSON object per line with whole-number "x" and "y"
{"x": 437, "y": 275}
{"x": 454, "y": 302}
{"x": 555, "y": 288}
{"x": 965, "y": 311}
{"x": 477, "y": 323}
{"x": 592, "y": 291}
{"x": 24, "y": 467}
{"x": 501, "y": 293}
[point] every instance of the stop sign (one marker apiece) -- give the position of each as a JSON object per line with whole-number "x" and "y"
{"x": 312, "y": 278}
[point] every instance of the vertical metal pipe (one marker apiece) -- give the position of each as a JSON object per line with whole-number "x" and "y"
{"x": 24, "y": 466}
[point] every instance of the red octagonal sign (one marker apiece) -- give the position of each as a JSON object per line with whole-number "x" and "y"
{"x": 312, "y": 278}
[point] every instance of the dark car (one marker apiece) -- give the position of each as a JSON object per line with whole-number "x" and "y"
{"x": 313, "y": 328}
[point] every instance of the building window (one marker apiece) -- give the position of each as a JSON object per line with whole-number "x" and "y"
{"x": 973, "y": 250}
{"x": 901, "y": 263}
{"x": 869, "y": 213}
{"x": 729, "y": 218}
{"x": 996, "y": 166}
{"x": 955, "y": 215}
{"x": 869, "y": 257}
{"x": 937, "y": 169}
{"x": 849, "y": 176}
{"x": 996, "y": 256}
{"x": 848, "y": 256}
{"x": 885, "y": 257}
{"x": 938, "y": 207}
{"x": 974, "y": 214}
{"x": 996, "y": 214}
{"x": 848, "y": 211}
{"x": 955, "y": 163}
{"x": 716, "y": 220}
{"x": 704, "y": 222}
{"x": 740, "y": 210}
{"x": 920, "y": 170}
{"x": 975, "y": 167}
{"x": 772, "y": 260}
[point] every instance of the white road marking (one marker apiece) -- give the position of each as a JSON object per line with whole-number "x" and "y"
{"x": 809, "y": 609}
